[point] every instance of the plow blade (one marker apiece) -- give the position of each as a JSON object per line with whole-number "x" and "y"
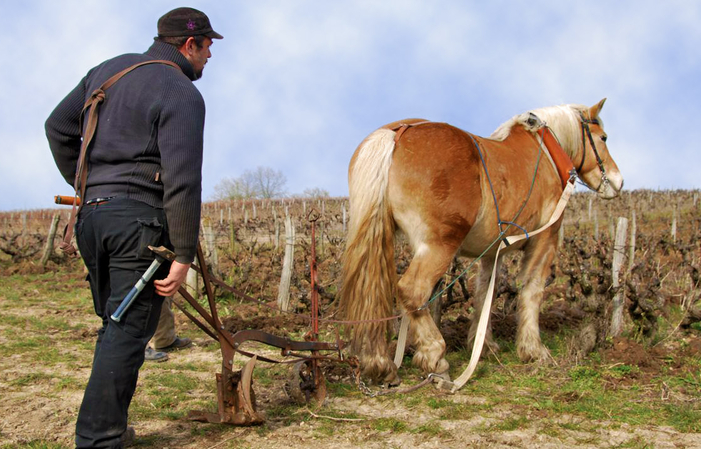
{"x": 236, "y": 399}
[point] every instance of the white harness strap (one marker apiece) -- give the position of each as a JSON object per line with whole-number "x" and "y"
{"x": 486, "y": 307}
{"x": 401, "y": 341}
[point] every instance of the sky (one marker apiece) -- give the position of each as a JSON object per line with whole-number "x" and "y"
{"x": 296, "y": 85}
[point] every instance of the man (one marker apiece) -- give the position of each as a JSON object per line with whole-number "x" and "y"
{"x": 143, "y": 188}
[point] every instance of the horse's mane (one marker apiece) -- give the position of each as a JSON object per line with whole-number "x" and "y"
{"x": 564, "y": 120}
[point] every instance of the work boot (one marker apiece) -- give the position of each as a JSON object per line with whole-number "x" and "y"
{"x": 155, "y": 356}
{"x": 178, "y": 343}
{"x": 128, "y": 438}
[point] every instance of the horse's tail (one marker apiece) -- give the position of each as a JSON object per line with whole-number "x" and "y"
{"x": 369, "y": 273}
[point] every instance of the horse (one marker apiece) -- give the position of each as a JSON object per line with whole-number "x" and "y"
{"x": 453, "y": 193}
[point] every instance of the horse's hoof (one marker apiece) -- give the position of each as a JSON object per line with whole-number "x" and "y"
{"x": 539, "y": 355}
{"x": 443, "y": 384}
{"x": 392, "y": 383}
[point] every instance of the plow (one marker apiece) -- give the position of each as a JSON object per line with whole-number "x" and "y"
{"x": 236, "y": 399}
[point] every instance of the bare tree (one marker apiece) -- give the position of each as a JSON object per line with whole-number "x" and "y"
{"x": 315, "y": 192}
{"x": 233, "y": 189}
{"x": 266, "y": 182}
{"x": 263, "y": 182}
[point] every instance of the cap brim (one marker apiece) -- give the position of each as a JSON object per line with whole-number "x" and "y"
{"x": 214, "y": 35}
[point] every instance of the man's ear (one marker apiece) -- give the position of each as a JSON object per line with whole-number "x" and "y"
{"x": 189, "y": 46}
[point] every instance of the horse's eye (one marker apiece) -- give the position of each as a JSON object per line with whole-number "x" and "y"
{"x": 604, "y": 138}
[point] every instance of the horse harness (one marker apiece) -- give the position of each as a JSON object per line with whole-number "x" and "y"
{"x": 567, "y": 174}
{"x": 585, "y": 130}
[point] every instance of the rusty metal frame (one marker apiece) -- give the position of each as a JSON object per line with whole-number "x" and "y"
{"x": 235, "y": 395}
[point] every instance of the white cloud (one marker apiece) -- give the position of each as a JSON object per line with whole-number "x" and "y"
{"x": 297, "y": 85}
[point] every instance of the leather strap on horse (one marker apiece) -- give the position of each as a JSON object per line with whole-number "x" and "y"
{"x": 399, "y": 130}
{"x": 487, "y": 305}
{"x": 563, "y": 163}
{"x": 81, "y": 174}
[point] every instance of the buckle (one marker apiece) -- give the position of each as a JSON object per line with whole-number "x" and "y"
{"x": 97, "y": 201}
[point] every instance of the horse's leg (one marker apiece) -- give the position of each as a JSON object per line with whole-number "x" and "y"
{"x": 535, "y": 268}
{"x": 483, "y": 277}
{"x": 414, "y": 288}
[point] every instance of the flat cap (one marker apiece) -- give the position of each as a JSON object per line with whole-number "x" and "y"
{"x": 186, "y": 22}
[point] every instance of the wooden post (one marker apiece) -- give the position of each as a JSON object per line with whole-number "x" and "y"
{"x": 344, "y": 218}
{"x": 277, "y": 234}
{"x": 321, "y": 237}
{"x": 674, "y": 225}
{"x": 631, "y": 247}
{"x": 211, "y": 248}
{"x": 255, "y": 212}
{"x": 245, "y": 216}
{"x": 283, "y": 296}
{"x": 49, "y": 248}
{"x": 192, "y": 283}
{"x": 596, "y": 226}
{"x": 221, "y": 216}
{"x": 618, "y": 255}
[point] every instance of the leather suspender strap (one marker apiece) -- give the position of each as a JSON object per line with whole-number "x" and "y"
{"x": 81, "y": 174}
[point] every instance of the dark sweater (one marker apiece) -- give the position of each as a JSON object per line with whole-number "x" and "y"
{"x": 150, "y": 123}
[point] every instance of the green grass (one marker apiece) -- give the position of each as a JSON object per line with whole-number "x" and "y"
{"x": 510, "y": 424}
{"x": 389, "y": 425}
{"x": 35, "y": 444}
{"x": 431, "y": 429}
{"x": 31, "y": 379}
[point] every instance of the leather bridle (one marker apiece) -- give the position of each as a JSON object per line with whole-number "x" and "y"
{"x": 586, "y": 131}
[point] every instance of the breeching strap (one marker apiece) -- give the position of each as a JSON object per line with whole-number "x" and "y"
{"x": 81, "y": 174}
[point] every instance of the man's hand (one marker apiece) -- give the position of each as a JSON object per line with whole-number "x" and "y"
{"x": 171, "y": 284}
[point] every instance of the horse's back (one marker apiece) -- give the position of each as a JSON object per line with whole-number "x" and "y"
{"x": 434, "y": 182}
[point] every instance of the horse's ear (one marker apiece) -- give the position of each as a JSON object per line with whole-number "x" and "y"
{"x": 596, "y": 109}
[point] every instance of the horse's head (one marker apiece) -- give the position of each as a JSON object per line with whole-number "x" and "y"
{"x": 595, "y": 165}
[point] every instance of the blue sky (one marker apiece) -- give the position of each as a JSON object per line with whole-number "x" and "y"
{"x": 296, "y": 85}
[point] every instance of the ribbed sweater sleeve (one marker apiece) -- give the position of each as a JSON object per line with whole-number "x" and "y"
{"x": 63, "y": 132}
{"x": 180, "y": 143}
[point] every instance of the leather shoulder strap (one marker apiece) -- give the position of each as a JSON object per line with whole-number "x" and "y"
{"x": 81, "y": 175}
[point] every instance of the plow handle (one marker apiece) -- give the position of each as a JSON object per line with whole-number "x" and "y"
{"x": 66, "y": 200}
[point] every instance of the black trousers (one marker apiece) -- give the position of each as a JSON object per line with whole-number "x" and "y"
{"x": 113, "y": 239}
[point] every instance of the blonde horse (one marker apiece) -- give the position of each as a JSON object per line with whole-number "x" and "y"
{"x": 452, "y": 193}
